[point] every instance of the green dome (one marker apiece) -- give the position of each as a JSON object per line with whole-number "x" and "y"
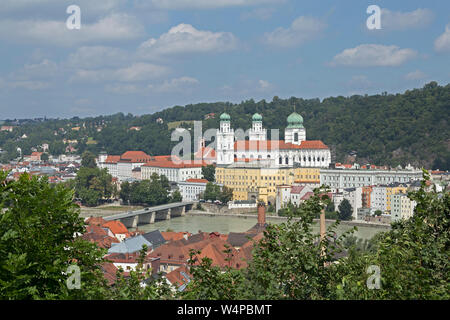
{"x": 225, "y": 117}
{"x": 257, "y": 117}
{"x": 295, "y": 120}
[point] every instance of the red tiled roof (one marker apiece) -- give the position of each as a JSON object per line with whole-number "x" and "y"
{"x": 197, "y": 180}
{"x": 173, "y": 236}
{"x": 176, "y": 277}
{"x": 297, "y": 189}
{"x": 276, "y": 145}
{"x": 206, "y": 153}
{"x": 116, "y": 227}
{"x": 135, "y": 156}
{"x": 170, "y": 162}
{"x": 112, "y": 159}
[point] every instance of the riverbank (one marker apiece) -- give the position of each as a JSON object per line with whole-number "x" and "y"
{"x": 278, "y": 218}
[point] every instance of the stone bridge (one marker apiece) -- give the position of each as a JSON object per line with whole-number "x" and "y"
{"x": 132, "y": 219}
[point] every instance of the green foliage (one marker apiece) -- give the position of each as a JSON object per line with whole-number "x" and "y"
{"x": 212, "y": 191}
{"x": 176, "y": 196}
{"x": 345, "y": 210}
{"x": 93, "y": 184}
{"x": 291, "y": 262}
{"x": 88, "y": 160}
{"x": 209, "y": 172}
{"x": 225, "y": 195}
{"x": 37, "y": 243}
{"x": 148, "y": 192}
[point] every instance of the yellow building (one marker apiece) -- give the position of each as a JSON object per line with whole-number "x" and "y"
{"x": 393, "y": 190}
{"x": 252, "y": 181}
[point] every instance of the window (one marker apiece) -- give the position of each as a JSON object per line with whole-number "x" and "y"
{"x": 295, "y": 136}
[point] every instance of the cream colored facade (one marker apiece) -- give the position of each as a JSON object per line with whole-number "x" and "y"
{"x": 391, "y": 191}
{"x": 250, "y": 181}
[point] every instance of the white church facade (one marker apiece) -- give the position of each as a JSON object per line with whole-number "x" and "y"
{"x": 294, "y": 150}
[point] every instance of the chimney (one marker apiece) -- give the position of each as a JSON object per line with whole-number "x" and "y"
{"x": 261, "y": 214}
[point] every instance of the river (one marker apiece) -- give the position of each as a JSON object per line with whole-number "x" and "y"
{"x": 193, "y": 223}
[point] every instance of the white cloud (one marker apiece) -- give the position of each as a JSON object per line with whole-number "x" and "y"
{"x": 301, "y": 30}
{"x": 204, "y": 4}
{"x": 370, "y": 55}
{"x": 175, "y": 85}
{"x": 44, "y": 69}
{"x": 183, "y": 39}
{"x": 134, "y": 73}
{"x": 442, "y": 43}
{"x": 391, "y": 20}
{"x": 97, "y": 57}
{"x": 415, "y": 75}
{"x": 115, "y": 27}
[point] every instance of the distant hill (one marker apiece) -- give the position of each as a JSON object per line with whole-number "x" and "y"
{"x": 412, "y": 127}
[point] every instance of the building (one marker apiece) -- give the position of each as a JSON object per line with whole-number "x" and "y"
{"x": 293, "y": 150}
{"x": 353, "y": 178}
{"x": 192, "y": 188}
{"x": 174, "y": 169}
{"x": 122, "y": 166}
{"x": 256, "y": 180}
{"x": 401, "y": 207}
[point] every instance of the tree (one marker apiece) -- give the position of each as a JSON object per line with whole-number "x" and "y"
{"x": 212, "y": 191}
{"x": 88, "y": 160}
{"x": 209, "y": 172}
{"x": 176, "y": 196}
{"x": 226, "y": 194}
{"x": 44, "y": 156}
{"x": 378, "y": 213}
{"x": 345, "y": 210}
{"x": 37, "y": 243}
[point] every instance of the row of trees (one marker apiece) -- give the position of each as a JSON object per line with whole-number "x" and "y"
{"x": 345, "y": 211}
{"x": 215, "y": 192}
{"x": 149, "y": 192}
{"x": 390, "y": 129}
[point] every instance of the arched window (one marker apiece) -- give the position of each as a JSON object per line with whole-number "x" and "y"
{"x": 281, "y": 160}
{"x": 286, "y": 160}
{"x": 268, "y": 156}
{"x": 304, "y": 158}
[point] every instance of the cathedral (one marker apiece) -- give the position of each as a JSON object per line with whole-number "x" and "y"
{"x": 293, "y": 151}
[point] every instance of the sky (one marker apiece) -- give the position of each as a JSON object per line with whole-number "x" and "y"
{"x": 142, "y": 56}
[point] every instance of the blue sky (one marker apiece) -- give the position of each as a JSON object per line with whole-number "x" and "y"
{"x": 142, "y": 56}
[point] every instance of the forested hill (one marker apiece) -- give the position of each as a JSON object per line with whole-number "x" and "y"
{"x": 412, "y": 127}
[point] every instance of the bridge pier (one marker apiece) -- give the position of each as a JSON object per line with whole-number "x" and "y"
{"x": 130, "y": 222}
{"x": 147, "y": 218}
{"x": 163, "y": 214}
{"x": 178, "y": 212}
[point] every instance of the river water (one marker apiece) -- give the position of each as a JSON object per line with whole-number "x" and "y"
{"x": 225, "y": 225}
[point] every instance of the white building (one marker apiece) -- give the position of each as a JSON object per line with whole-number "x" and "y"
{"x": 174, "y": 170}
{"x": 294, "y": 194}
{"x": 192, "y": 188}
{"x": 353, "y": 178}
{"x": 401, "y": 207}
{"x": 353, "y": 195}
{"x": 122, "y": 166}
{"x": 293, "y": 150}
{"x": 378, "y": 198}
